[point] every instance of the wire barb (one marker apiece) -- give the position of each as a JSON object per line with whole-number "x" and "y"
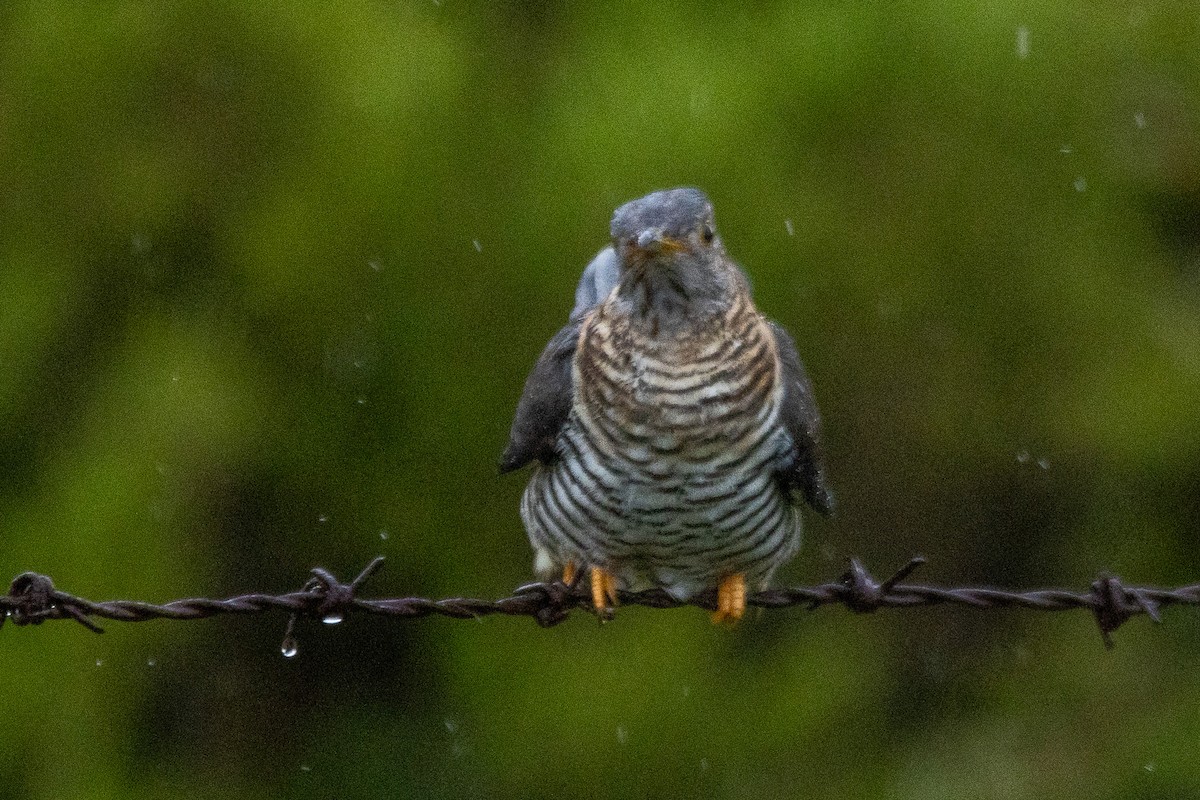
{"x": 331, "y": 600}
{"x": 35, "y": 600}
{"x": 32, "y": 599}
{"x": 1114, "y": 605}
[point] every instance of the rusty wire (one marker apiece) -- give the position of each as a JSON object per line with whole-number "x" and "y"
{"x": 32, "y": 599}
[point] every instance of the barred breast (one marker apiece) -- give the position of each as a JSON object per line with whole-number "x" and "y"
{"x": 666, "y": 468}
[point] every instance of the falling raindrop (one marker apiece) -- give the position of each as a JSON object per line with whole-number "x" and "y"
{"x": 1043, "y": 462}
{"x": 1081, "y": 184}
{"x": 1139, "y": 119}
{"x": 383, "y": 535}
{"x": 1149, "y": 768}
{"x": 323, "y": 519}
{"x": 478, "y": 246}
{"x": 1066, "y": 150}
{"x": 150, "y": 662}
{"x": 361, "y": 400}
{"x": 622, "y": 735}
{"x": 375, "y": 266}
{"x": 787, "y": 226}
{"x": 305, "y": 768}
{"x": 451, "y": 726}
{"x": 99, "y": 662}
{"x": 1023, "y": 457}
{"x": 289, "y": 648}
{"x": 1022, "y": 42}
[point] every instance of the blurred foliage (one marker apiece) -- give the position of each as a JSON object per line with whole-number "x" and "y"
{"x": 273, "y": 275}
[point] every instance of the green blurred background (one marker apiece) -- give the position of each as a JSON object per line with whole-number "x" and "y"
{"x": 272, "y": 276}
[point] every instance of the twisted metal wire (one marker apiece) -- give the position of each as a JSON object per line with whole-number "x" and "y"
{"x": 32, "y": 599}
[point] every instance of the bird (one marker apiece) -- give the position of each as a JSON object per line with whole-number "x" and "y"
{"x": 672, "y": 427}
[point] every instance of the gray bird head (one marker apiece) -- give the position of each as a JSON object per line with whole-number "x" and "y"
{"x": 671, "y": 261}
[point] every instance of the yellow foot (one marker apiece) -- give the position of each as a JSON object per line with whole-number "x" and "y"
{"x": 604, "y": 591}
{"x": 731, "y": 599}
{"x": 569, "y": 573}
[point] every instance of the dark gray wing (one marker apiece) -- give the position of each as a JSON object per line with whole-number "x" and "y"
{"x": 597, "y": 282}
{"x": 545, "y": 403}
{"x": 803, "y": 423}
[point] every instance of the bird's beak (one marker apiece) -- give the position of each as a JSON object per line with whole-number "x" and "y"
{"x": 655, "y": 240}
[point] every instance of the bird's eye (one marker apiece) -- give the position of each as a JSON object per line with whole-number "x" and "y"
{"x": 708, "y": 234}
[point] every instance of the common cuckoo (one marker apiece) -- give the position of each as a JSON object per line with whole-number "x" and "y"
{"x": 672, "y": 425}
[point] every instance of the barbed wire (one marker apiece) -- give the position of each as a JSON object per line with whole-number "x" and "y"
{"x": 33, "y": 599}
